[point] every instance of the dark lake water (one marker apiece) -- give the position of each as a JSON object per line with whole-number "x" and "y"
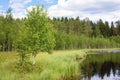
{"x": 101, "y": 66}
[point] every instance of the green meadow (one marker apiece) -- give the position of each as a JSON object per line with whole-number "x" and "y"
{"x": 60, "y": 65}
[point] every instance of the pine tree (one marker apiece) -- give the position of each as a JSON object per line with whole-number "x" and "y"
{"x": 113, "y": 31}
{"x": 118, "y": 27}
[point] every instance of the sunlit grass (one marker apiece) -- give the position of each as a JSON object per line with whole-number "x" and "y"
{"x": 60, "y": 65}
{"x": 6, "y": 66}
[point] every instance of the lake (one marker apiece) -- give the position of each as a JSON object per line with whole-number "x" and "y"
{"x": 102, "y": 66}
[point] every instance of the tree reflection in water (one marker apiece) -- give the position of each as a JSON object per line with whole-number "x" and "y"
{"x": 101, "y": 67}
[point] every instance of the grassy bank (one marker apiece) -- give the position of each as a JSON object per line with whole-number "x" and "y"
{"x": 61, "y": 65}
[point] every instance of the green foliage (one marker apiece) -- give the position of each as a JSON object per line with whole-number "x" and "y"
{"x": 41, "y": 32}
{"x": 24, "y": 67}
{"x": 75, "y": 34}
{"x": 118, "y": 27}
{"x": 37, "y": 32}
{"x": 87, "y": 29}
{"x": 22, "y": 47}
{"x": 8, "y": 31}
{"x": 60, "y": 40}
{"x": 36, "y": 35}
{"x": 115, "y": 40}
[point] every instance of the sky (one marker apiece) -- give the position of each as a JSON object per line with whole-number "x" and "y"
{"x": 107, "y": 10}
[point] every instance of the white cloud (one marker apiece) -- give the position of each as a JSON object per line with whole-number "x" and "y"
{"x": 18, "y": 7}
{"x": 94, "y": 9}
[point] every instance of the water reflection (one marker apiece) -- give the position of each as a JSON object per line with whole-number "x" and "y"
{"x": 101, "y": 67}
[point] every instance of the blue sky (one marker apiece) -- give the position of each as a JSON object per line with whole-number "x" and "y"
{"x": 5, "y": 3}
{"x": 93, "y": 9}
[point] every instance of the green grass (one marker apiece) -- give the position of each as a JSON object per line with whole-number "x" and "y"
{"x": 61, "y": 65}
{"x": 6, "y": 66}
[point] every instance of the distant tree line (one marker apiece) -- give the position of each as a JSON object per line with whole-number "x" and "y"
{"x": 73, "y": 33}
{"x": 70, "y": 33}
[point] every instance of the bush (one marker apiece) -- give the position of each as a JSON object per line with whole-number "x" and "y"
{"x": 25, "y": 67}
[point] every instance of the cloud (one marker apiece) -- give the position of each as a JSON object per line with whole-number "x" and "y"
{"x": 18, "y": 7}
{"x": 94, "y": 9}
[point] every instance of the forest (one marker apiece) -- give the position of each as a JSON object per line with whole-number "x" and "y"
{"x": 70, "y": 33}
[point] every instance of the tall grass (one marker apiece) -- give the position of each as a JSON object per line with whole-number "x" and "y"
{"x": 61, "y": 65}
{"x": 6, "y": 66}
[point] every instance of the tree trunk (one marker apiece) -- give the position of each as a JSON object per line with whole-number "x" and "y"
{"x": 34, "y": 58}
{"x": 8, "y": 47}
{"x": 3, "y": 47}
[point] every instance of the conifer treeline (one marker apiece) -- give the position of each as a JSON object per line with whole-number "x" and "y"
{"x": 70, "y": 33}
{"x": 73, "y": 33}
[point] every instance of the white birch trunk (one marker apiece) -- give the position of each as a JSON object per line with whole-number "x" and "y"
{"x": 34, "y": 58}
